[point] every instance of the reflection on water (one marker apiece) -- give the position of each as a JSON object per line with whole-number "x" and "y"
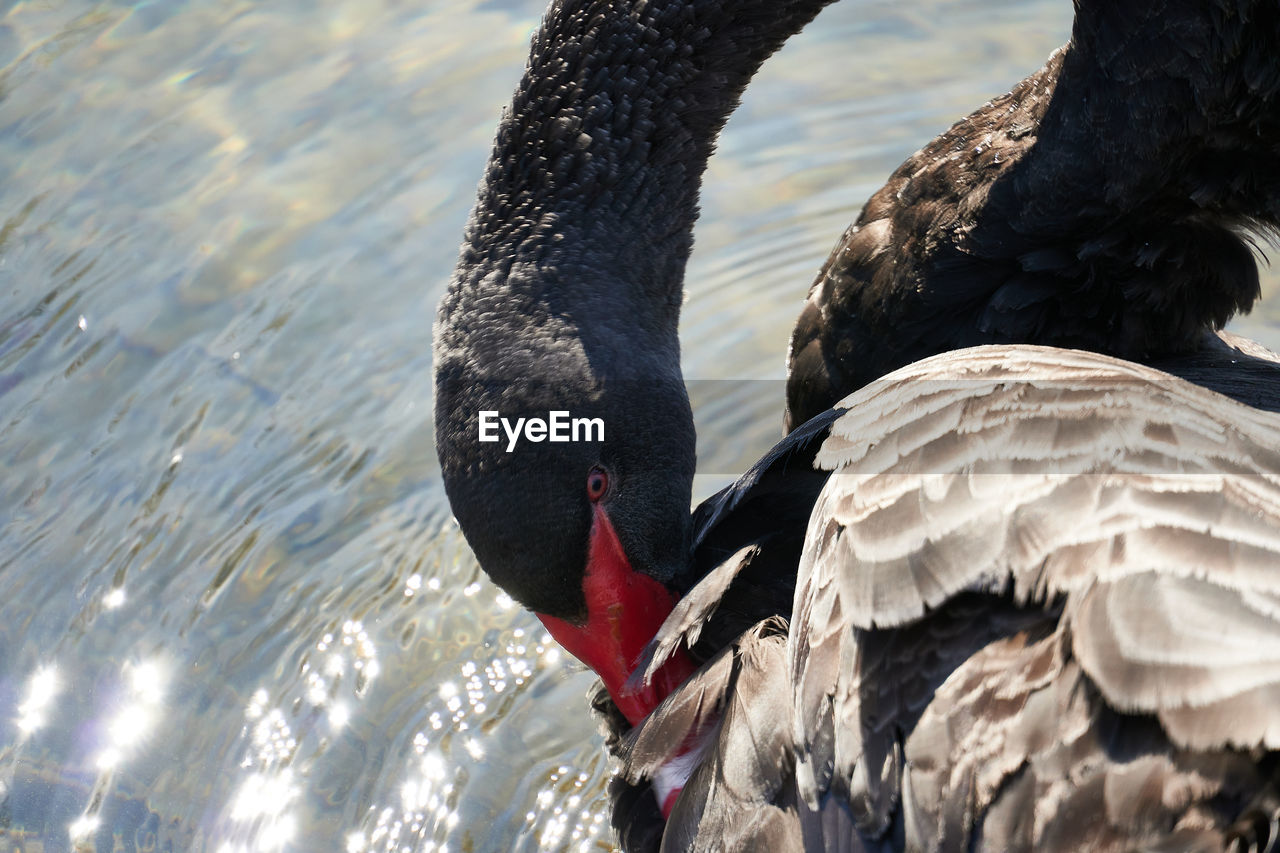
{"x": 41, "y": 691}
{"x": 234, "y": 612}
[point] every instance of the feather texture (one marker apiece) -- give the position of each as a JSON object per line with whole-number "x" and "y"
{"x": 1078, "y": 561}
{"x": 1038, "y": 609}
{"x": 1109, "y": 202}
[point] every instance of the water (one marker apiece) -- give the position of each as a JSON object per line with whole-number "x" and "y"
{"x": 234, "y": 612}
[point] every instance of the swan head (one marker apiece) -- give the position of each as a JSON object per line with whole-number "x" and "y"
{"x": 569, "y": 469}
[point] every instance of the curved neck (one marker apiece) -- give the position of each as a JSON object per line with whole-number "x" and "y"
{"x": 591, "y": 193}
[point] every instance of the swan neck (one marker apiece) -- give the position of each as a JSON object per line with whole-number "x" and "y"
{"x": 591, "y": 192}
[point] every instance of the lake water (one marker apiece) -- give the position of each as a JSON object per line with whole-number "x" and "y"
{"x": 235, "y": 614}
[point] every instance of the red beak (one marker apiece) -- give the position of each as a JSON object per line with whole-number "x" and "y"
{"x": 624, "y": 610}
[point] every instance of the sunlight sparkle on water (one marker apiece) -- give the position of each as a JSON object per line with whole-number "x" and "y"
{"x": 257, "y": 704}
{"x": 426, "y": 814}
{"x": 434, "y": 766}
{"x": 264, "y": 800}
{"x": 109, "y": 758}
{"x": 569, "y": 824}
{"x": 272, "y": 737}
{"x": 339, "y": 715}
{"x": 130, "y": 725}
{"x": 137, "y": 716}
{"x": 83, "y": 826}
{"x": 41, "y": 691}
{"x": 357, "y": 643}
{"x": 147, "y": 682}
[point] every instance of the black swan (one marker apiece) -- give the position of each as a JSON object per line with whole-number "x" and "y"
{"x": 1105, "y": 203}
{"x": 1036, "y": 605}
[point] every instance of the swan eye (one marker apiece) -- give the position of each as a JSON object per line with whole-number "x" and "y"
{"x": 597, "y": 483}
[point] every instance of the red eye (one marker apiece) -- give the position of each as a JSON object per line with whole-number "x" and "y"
{"x": 597, "y": 483}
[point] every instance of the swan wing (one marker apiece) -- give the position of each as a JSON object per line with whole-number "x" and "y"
{"x": 1037, "y": 581}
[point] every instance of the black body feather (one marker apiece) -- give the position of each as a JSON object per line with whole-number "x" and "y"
{"x": 1109, "y": 202}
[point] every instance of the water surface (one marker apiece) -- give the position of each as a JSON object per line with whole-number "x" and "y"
{"x": 235, "y": 614}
